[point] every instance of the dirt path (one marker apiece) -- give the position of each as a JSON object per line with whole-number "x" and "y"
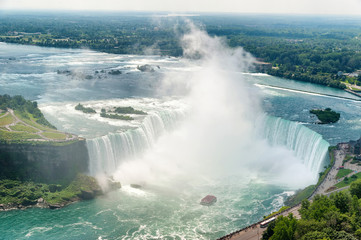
{"x": 7, "y": 113}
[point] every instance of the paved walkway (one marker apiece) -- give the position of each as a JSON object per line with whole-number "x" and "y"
{"x": 331, "y": 180}
{"x": 254, "y": 232}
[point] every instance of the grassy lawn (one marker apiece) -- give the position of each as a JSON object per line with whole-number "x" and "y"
{"x": 31, "y": 121}
{"x": 350, "y": 180}
{"x": 300, "y": 195}
{"x": 54, "y": 135}
{"x": 6, "y": 120}
{"x": 16, "y": 136}
{"x": 22, "y": 128}
{"x": 347, "y": 158}
{"x": 343, "y": 172}
{"x": 2, "y": 113}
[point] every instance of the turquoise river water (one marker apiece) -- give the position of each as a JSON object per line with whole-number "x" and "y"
{"x": 248, "y": 180}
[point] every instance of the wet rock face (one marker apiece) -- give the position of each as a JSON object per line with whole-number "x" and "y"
{"x": 43, "y": 163}
{"x": 145, "y": 68}
{"x": 87, "y": 195}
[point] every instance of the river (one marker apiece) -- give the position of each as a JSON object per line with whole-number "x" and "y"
{"x": 248, "y": 186}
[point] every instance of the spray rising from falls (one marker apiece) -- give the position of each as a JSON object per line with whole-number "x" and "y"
{"x": 307, "y": 145}
{"x": 219, "y": 136}
{"x": 107, "y": 152}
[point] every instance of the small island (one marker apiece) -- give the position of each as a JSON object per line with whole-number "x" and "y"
{"x": 80, "y": 107}
{"x": 128, "y": 110}
{"x": 116, "y": 116}
{"x": 121, "y": 111}
{"x": 326, "y": 116}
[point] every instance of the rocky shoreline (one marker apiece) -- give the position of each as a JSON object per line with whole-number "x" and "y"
{"x": 81, "y": 189}
{"x": 42, "y": 203}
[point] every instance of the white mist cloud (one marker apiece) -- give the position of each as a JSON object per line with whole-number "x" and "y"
{"x": 219, "y": 137}
{"x": 243, "y": 6}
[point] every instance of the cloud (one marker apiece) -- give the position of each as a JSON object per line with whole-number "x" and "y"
{"x": 242, "y": 6}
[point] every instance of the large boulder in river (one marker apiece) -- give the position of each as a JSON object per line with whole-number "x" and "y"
{"x": 86, "y": 195}
{"x": 145, "y": 68}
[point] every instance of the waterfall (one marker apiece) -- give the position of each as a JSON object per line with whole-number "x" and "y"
{"x": 107, "y": 152}
{"x": 307, "y": 145}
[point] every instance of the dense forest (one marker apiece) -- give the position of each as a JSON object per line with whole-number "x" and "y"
{"x": 312, "y": 49}
{"x": 334, "y": 217}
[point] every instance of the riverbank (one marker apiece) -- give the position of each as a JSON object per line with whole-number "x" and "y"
{"x": 17, "y": 195}
{"x": 255, "y": 230}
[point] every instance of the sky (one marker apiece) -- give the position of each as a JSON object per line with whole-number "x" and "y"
{"x": 342, "y": 7}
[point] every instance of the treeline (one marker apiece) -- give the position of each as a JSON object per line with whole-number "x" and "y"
{"x": 24, "y": 107}
{"x": 317, "y": 50}
{"x": 334, "y": 217}
{"x": 326, "y": 116}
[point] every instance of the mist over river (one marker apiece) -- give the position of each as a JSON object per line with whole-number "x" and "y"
{"x": 211, "y": 128}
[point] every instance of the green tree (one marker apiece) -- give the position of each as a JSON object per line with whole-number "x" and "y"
{"x": 315, "y": 235}
{"x": 305, "y": 226}
{"x": 269, "y": 231}
{"x": 355, "y": 188}
{"x": 285, "y": 228}
{"x": 319, "y": 208}
{"x": 342, "y": 201}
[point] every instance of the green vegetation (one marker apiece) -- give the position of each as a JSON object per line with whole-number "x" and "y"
{"x": 28, "y": 193}
{"x": 74, "y": 190}
{"x": 326, "y": 116}
{"x": 30, "y": 120}
{"x": 319, "y": 50}
{"x": 80, "y": 107}
{"x": 128, "y": 110}
{"x": 348, "y": 181}
{"x": 25, "y": 108}
{"x": 6, "y": 120}
{"x": 347, "y": 158}
{"x": 24, "y": 122}
{"x": 301, "y": 195}
{"x": 116, "y": 116}
{"x": 334, "y": 217}
{"x": 343, "y": 172}
{"x": 54, "y": 135}
{"x": 22, "y": 128}
{"x": 277, "y": 212}
{"x": 17, "y": 136}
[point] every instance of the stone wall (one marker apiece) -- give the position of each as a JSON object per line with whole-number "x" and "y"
{"x": 39, "y": 162}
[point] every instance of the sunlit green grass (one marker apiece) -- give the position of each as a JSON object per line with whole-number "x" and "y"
{"x": 22, "y": 128}
{"x": 343, "y": 172}
{"x": 16, "y": 136}
{"x": 54, "y": 135}
{"x": 6, "y": 120}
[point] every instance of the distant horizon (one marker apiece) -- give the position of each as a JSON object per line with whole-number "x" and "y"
{"x": 172, "y": 13}
{"x": 302, "y": 7}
